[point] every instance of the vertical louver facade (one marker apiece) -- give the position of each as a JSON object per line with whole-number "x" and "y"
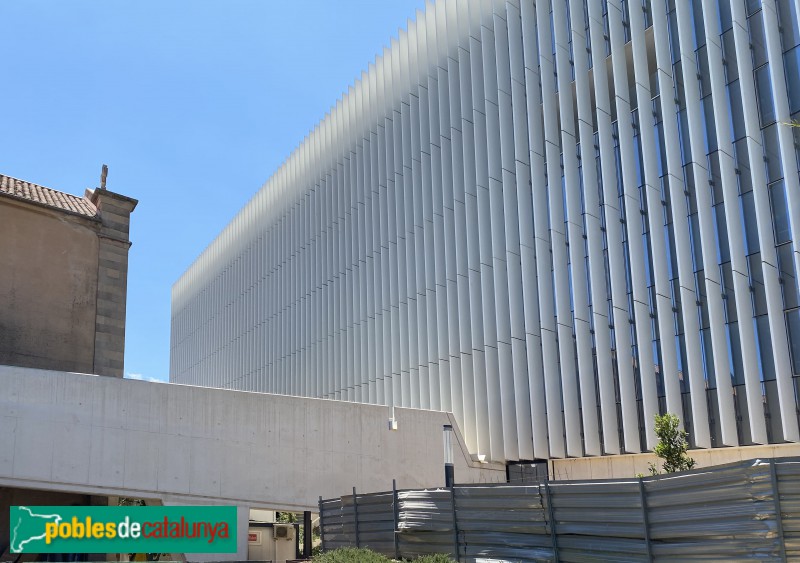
{"x": 555, "y": 219}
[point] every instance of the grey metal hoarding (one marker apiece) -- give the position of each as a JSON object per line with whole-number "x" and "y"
{"x": 743, "y": 511}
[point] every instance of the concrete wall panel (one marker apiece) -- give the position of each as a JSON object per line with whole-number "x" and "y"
{"x": 251, "y": 449}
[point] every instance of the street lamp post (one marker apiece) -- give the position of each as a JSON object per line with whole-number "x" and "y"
{"x": 449, "y": 472}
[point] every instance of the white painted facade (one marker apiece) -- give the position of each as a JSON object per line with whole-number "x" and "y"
{"x": 472, "y": 228}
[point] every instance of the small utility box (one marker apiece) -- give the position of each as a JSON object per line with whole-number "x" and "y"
{"x": 271, "y": 542}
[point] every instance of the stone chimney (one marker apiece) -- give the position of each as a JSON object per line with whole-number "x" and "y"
{"x": 114, "y": 211}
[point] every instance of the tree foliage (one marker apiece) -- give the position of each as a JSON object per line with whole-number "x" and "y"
{"x": 672, "y": 445}
{"x": 286, "y": 517}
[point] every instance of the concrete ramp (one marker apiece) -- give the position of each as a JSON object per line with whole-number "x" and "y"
{"x": 182, "y": 444}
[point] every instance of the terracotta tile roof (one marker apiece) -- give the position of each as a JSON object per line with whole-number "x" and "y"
{"x": 47, "y": 197}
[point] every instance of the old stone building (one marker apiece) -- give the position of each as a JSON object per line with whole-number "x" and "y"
{"x": 63, "y": 278}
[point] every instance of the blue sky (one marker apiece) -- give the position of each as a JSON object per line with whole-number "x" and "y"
{"x": 191, "y": 103}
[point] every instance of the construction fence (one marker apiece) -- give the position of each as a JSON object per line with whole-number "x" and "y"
{"x": 742, "y": 511}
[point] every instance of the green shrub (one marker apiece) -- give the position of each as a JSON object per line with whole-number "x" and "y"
{"x": 437, "y": 558}
{"x": 350, "y": 555}
{"x": 672, "y": 445}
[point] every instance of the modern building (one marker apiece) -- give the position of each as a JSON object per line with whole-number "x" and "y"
{"x": 63, "y": 278}
{"x": 553, "y": 219}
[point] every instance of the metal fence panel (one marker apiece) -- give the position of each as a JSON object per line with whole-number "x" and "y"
{"x": 601, "y": 509}
{"x": 599, "y": 520}
{"x": 330, "y": 523}
{"x": 348, "y": 520}
{"x": 500, "y": 523}
{"x": 425, "y": 522}
{"x": 376, "y": 522}
{"x": 589, "y": 549}
{"x": 743, "y": 511}
{"x": 428, "y": 511}
{"x": 788, "y": 476}
{"x": 727, "y": 512}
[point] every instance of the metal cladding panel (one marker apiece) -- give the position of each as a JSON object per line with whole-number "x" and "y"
{"x": 554, "y": 219}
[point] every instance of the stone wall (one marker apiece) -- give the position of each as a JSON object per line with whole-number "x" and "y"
{"x": 630, "y": 465}
{"x": 48, "y": 288}
{"x": 63, "y": 285}
{"x": 112, "y": 280}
